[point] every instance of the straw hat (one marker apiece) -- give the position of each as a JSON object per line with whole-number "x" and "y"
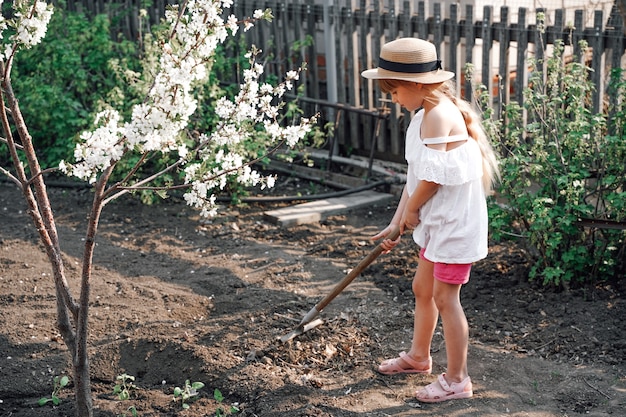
{"x": 409, "y": 59}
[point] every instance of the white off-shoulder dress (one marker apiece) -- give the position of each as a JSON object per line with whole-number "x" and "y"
{"x": 453, "y": 223}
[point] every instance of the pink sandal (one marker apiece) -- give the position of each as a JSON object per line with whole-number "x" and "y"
{"x": 440, "y": 390}
{"x": 392, "y": 366}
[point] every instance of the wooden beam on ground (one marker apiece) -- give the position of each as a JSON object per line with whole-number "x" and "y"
{"x": 316, "y": 211}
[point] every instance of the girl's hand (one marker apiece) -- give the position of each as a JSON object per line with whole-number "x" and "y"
{"x": 387, "y": 244}
{"x": 409, "y": 221}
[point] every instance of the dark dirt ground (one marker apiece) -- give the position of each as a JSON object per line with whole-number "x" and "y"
{"x": 176, "y": 299}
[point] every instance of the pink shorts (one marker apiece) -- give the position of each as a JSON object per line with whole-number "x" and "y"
{"x": 449, "y": 273}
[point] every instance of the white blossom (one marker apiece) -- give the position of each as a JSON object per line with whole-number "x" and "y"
{"x": 159, "y": 123}
{"x": 232, "y": 24}
{"x": 32, "y": 23}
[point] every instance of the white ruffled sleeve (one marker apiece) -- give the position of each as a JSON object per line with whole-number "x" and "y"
{"x": 454, "y": 167}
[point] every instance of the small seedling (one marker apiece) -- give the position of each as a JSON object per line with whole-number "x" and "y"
{"x": 535, "y": 385}
{"x": 59, "y": 383}
{"x": 217, "y": 395}
{"x": 124, "y": 386}
{"x": 132, "y": 410}
{"x": 187, "y": 393}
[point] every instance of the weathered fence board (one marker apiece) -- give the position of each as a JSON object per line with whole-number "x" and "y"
{"x": 365, "y": 123}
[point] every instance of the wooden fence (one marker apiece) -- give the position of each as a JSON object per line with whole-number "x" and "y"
{"x": 345, "y": 40}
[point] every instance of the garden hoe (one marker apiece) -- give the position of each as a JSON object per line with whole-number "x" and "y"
{"x": 309, "y": 321}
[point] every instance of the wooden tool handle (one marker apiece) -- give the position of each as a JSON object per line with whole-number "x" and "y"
{"x": 356, "y": 271}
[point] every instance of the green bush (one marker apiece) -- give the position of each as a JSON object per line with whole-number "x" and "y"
{"x": 79, "y": 69}
{"x": 560, "y": 163}
{"x": 63, "y": 81}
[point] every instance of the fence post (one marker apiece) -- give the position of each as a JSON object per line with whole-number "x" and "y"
{"x": 312, "y": 51}
{"x": 522, "y": 47}
{"x": 331, "y": 67}
{"x": 597, "y": 60}
{"x": 378, "y": 38}
{"x": 395, "y": 145}
{"x": 454, "y": 39}
{"x": 353, "y": 79}
{"x": 616, "y": 44}
{"x": 539, "y": 37}
{"x": 469, "y": 47}
{"x": 437, "y": 29}
{"x": 274, "y": 36}
{"x": 407, "y": 30}
{"x": 616, "y": 38}
{"x": 504, "y": 74}
{"x": 487, "y": 44}
{"x": 406, "y": 19}
{"x": 284, "y": 13}
{"x": 422, "y": 28}
{"x": 368, "y": 88}
{"x": 577, "y": 35}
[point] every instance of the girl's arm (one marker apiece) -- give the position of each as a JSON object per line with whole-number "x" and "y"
{"x": 410, "y": 216}
{"x": 395, "y": 222}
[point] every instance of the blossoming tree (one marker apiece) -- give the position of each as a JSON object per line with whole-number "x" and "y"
{"x": 158, "y": 125}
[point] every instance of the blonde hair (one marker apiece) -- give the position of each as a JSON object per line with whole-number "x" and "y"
{"x": 491, "y": 173}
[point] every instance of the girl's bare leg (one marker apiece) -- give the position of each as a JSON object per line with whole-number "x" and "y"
{"x": 455, "y": 329}
{"x": 426, "y": 315}
{"x": 425, "y": 320}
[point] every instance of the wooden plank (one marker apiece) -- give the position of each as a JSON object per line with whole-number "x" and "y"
{"x": 378, "y": 39}
{"x": 367, "y": 59}
{"x": 522, "y": 49}
{"x": 468, "y": 30}
{"x": 422, "y": 28}
{"x": 316, "y": 211}
{"x": 362, "y": 26}
{"x": 486, "y": 35}
{"x": 341, "y": 76}
{"x": 287, "y": 62}
{"x": 578, "y": 34}
{"x": 504, "y": 74}
{"x": 405, "y": 117}
{"x": 616, "y": 44}
{"x": 313, "y": 74}
{"x": 268, "y": 39}
{"x": 298, "y": 19}
{"x": 454, "y": 39}
{"x": 597, "y": 62}
{"x": 539, "y": 40}
{"x": 438, "y": 30}
{"x": 353, "y": 79}
{"x": 394, "y": 142}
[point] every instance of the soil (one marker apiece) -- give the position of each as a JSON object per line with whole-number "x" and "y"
{"x": 175, "y": 298}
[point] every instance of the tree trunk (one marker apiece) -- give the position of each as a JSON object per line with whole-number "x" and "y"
{"x": 34, "y": 191}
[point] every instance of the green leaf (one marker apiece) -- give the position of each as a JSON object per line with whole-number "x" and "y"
{"x": 64, "y": 381}
{"x": 217, "y": 394}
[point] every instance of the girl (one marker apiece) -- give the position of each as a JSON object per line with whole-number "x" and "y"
{"x": 451, "y": 166}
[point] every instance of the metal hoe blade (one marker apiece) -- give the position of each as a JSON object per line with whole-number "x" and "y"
{"x": 301, "y": 329}
{"x": 308, "y": 321}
